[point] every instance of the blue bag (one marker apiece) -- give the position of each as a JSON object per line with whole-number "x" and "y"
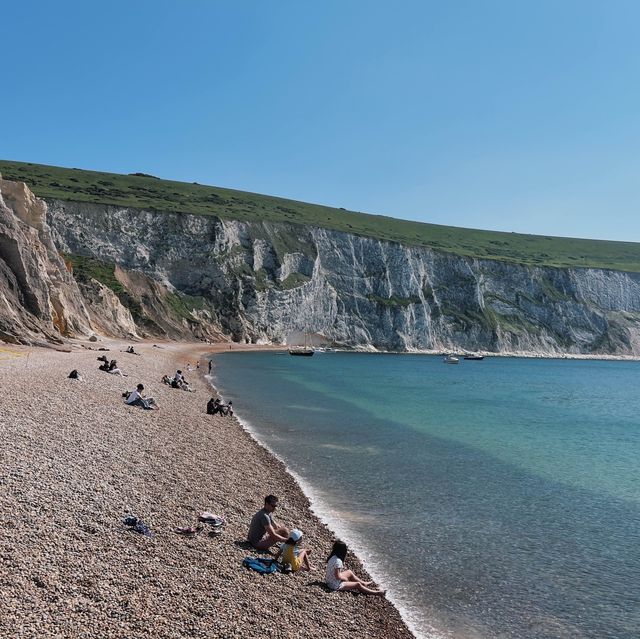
{"x": 263, "y": 566}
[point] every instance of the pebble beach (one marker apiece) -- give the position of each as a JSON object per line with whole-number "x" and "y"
{"x": 75, "y": 461}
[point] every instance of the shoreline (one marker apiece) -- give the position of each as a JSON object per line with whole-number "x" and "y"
{"x": 73, "y": 470}
{"x": 320, "y": 509}
{"x": 440, "y": 352}
{"x": 503, "y": 354}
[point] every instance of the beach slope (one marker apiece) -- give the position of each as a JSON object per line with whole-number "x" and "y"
{"x": 75, "y": 460}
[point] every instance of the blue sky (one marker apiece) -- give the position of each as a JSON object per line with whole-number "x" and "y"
{"x": 506, "y": 115}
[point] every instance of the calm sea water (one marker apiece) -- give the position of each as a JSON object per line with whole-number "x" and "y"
{"x": 495, "y": 498}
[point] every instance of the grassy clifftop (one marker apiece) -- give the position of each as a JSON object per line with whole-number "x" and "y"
{"x": 148, "y": 192}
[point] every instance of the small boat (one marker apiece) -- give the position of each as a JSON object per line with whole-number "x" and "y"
{"x": 451, "y": 359}
{"x": 475, "y": 357}
{"x": 302, "y": 351}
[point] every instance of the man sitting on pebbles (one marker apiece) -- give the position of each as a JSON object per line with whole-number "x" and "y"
{"x": 264, "y": 532}
{"x": 180, "y": 382}
{"x": 135, "y": 398}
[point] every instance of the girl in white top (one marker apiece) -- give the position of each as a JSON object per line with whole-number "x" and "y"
{"x": 339, "y": 578}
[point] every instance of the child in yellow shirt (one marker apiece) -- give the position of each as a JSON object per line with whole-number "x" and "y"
{"x": 291, "y": 554}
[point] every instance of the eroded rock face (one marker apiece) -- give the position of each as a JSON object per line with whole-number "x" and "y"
{"x": 108, "y": 315}
{"x": 39, "y": 299}
{"x": 264, "y": 281}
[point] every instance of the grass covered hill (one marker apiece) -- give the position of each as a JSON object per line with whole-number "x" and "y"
{"x": 148, "y": 192}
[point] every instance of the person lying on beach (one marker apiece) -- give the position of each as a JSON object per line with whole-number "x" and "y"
{"x": 167, "y": 380}
{"x": 264, "y": 532}
{"x": 339, "y": 578}
{"x": 292, "y": 555}
{"x": 136, "y": 398}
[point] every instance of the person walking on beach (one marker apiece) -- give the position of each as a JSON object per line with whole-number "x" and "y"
{"x": 264, "y": 532}
{"x": 339, "y": 578}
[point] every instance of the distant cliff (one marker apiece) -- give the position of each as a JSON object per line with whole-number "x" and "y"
{"x": 73, "y": 269}
{"x": 261, "y": 281}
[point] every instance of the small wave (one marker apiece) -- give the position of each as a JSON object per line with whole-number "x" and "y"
{"x": 369, "y": 450}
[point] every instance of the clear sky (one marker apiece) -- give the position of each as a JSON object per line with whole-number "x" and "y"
{"x": 507, "y": 115}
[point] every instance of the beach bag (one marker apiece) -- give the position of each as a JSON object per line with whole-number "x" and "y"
{"x": 73, "y": 374}
{"x": 213, "y": 520}
{"x": 261, "y": 565}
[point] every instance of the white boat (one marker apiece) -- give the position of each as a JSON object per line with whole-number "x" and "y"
{"x": 451, "y": 359}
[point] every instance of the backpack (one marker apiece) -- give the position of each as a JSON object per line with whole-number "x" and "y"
{"x": 261, "y": 565}
{"x": 73, "y": 374}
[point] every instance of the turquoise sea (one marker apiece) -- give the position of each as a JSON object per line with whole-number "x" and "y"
{"x": 495, "y": 498}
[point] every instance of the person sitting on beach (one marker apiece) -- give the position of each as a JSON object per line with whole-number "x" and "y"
{"x": 264, "y": 532}
{"x": 114, "y": 370}
{"x": 179, "y": 381}
{"x": 339, "y": 578}
{"x": 292, "y": 555}
{"x": 136, "y": 398}
{"x": 213, "y": 406}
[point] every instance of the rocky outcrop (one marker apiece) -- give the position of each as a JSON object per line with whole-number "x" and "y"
{"x": 261, "y": 282}
{"x": 39, "y": 299}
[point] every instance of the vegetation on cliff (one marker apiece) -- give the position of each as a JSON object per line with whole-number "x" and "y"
{"x": 147, "y": 192}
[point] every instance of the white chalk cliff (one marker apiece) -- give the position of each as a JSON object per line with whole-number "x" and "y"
{"x": 188, "y": 276}
{"x": 260, "y": 282}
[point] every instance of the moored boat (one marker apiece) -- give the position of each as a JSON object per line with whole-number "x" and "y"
{"x": 302, "y": 351}
{"x": 477, "y": 357}
{"x": 451, "y": 359}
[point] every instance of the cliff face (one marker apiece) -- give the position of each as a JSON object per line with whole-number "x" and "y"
{"x": 39, "y": 299}
{"x": 262, "y": 282}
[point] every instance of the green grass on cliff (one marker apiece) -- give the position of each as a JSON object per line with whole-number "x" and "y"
{"x": 148, "y": 192}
